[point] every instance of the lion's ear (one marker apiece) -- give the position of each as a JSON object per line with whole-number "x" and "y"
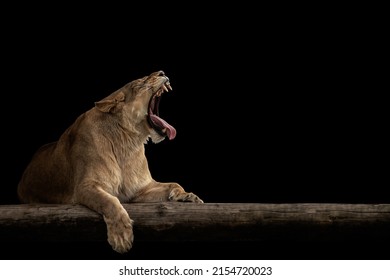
{"x": 108, "y": 104}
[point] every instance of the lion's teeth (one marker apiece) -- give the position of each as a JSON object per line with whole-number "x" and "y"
{"x": 169, "y": 86}
{"x": 164, "y": 88}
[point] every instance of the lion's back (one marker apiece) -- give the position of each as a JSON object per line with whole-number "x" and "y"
{"x": 46, "y": 178}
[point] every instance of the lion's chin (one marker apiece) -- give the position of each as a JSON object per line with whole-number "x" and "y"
{"x": 155, "y": 136}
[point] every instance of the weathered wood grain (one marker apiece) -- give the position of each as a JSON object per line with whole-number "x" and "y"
{"x": 202, "y": 222}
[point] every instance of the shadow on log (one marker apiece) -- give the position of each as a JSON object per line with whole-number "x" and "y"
{"x": 209, "y": 222}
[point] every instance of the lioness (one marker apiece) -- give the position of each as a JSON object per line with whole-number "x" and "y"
{"x": 99, "y": 161}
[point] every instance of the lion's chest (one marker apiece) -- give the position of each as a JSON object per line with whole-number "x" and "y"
{"x": 135, "y": 175}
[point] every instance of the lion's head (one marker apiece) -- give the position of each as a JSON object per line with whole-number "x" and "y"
{"x": 137, "y": 106}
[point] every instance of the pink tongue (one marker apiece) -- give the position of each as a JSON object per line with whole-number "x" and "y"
{"x": 170, "y": 130}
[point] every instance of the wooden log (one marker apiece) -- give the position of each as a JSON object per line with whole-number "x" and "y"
{"x": 202, "y": 222}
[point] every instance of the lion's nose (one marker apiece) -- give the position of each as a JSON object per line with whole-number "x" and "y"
{"x": 162, "y": 74}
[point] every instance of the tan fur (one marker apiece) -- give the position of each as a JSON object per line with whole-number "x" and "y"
{"x": 99, "y": 161}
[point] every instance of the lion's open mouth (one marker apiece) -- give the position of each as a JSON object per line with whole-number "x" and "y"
{"x": 156, "y": 122}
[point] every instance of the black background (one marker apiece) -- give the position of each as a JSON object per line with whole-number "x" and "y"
{"x": 265, "y": 110}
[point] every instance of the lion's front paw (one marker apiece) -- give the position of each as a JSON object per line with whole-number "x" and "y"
{"x": 120, "y": 234}
{"x": 184, "y": 196}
